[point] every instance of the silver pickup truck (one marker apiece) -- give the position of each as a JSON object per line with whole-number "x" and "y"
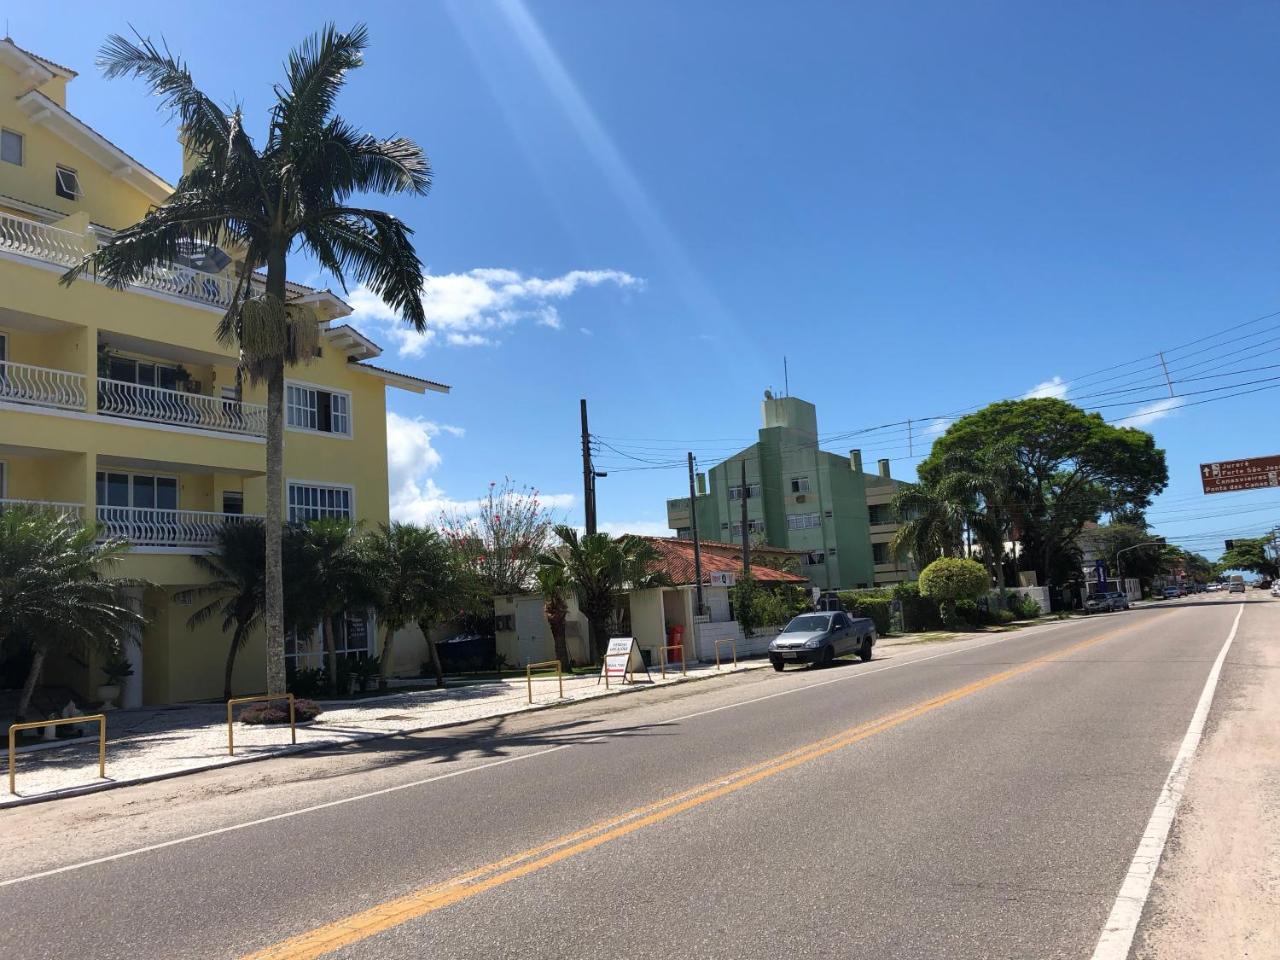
{"x": 819, "y": 638}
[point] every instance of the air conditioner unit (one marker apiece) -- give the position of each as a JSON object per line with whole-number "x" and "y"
{"x": 799, "y": 498}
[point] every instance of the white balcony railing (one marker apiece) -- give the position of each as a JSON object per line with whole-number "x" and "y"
{"x": 119, "y": 398}
{"x": 23, "y": 383}
{"x": 53, "y": 506}
{"x": 39, "y": 241}
{"x": 151, "y": 527}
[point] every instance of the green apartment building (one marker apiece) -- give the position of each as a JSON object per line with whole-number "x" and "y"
{"x": 801, "y": 498}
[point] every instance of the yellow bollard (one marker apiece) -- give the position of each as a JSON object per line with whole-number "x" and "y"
{"x": 102, "y": 741}
{"x": 733, "y": 647}
{"x": 260, "y": 698}
{"x": 528, "y": 675}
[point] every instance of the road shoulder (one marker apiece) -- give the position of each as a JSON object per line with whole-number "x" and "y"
{"x": 1217, "y": 892}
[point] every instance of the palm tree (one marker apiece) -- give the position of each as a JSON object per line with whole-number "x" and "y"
{"x": 932, "y": 524}
{"x": 600, "y": 569}
{"x": 54, "y": 589}
{"x": 415, "y": 581}
{"x": 293, "y": 193}
{"x": 337, "y": 578}
{"x": 553, "y": 584}
{"x": 236, "y": 590}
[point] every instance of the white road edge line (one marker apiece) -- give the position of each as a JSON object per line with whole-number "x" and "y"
{"x": 1121, "y": 927}
{"x": 315, "y": 808}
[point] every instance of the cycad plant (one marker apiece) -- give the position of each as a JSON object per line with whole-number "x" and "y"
{"x": 295, "y": 191}
{"x": 55, "y": 589}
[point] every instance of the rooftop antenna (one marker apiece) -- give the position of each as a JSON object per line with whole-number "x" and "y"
{"x": 786, "y": 380}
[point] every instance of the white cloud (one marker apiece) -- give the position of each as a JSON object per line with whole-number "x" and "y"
{"x": 585, "y": 331}
{"x": 936, "y": 428}
{"x": 467, "y": 308}
{"x": 1054, "y": 387}
{"x": 644, "y": 528}
{"x": 412, "y": 458}
{"x": 1151, "y": 412}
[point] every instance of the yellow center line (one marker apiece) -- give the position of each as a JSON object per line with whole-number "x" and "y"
{"x": 392, "y": 913}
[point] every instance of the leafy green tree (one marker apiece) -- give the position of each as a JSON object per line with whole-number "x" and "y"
{"x": 414, "y": 579}
{"x": 235, "y": 592}
{"x": 1250, "y": 554}
{"x": 1141, "y": 562}
{"x": 951, "y": 580}
{"x": 600, "y": 569}
{"x": 55, "y": 589}
{"x": 932, "y": 523}
{"x": 295, "y": 192}
{"x": 1070, "y": 468}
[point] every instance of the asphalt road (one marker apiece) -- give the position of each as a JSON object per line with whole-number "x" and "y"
{"x": 973, "y": 799}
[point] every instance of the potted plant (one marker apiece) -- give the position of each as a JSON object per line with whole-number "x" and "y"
{"x": 116, "y": 668}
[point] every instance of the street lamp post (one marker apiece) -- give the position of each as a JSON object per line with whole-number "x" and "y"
{"x": 1148, "y": 543}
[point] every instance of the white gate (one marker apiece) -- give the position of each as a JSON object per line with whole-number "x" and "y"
{"x": 531, "y": 631}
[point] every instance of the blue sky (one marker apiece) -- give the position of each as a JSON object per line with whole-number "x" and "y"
{"x": 925, "y": 207}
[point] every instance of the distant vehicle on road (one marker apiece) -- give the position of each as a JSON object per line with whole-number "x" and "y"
{"x": 1106, "y": 602}
{"x": 1275, "y": 588}
{"x": 1237, "y": 586}
{"x": 1169, "y": 593}
{"x": 821, "y": 637}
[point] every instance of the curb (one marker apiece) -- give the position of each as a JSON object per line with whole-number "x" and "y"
{"x": 294, "y": 749}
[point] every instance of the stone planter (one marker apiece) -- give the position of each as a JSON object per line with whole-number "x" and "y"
{"x": 107, "y": 693}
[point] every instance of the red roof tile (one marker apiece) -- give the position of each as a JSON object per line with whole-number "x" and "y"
{"x": 676, "y": 560}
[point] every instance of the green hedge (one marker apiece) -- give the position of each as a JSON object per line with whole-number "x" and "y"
{"x": 877, "y": 607}
{"x": 918, "y": 613}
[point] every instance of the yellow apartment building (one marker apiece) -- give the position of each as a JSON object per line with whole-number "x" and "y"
{"x": 121, "y": 405}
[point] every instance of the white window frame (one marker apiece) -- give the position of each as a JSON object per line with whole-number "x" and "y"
{"x": 351, "y": 499}
{"x": 22, "y": 146}
{"x": 77, "y": 191}
{"x": 177, "y": 486}
{"x": 314, "y": 654}
{"x": 753, "y": 490}
{"x": 799, "y": 484}
{"x": 313, "y": 389}
{"x": 804, "y": 521}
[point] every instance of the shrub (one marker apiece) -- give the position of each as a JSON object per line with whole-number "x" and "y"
{"x": 307, "y": 682}
{"x": 877, "y": 607}
{"x": 277, "y": 711}
{"x": 1004, "y": 616}
{"x": 918, "y": 612}
{"x": 1024, "y": 607}
{"x": 950, "y": 580}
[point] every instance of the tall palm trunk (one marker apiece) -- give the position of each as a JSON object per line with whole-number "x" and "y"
{"x": 433, "y": 655}
{"x": 330, "y": 652}
{"x": 231, "y": 662}
{"x": 273, "y": 613}
{"x": 384, "y": 664}
{"x": 33, "y": 677}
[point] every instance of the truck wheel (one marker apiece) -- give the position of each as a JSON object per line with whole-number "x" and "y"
{"x": 777, "y": 663}
{"x": 864, "y": 652}
{"x": 828, "y": 656}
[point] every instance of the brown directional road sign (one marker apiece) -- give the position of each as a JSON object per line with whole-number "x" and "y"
{"x": 1231, "y": 475}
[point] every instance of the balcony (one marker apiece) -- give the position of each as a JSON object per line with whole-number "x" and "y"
{"x": 41, "y": 386}
{"x": 48, "y": 244}
{"x": 151, "y": 527}
{"x": 52, "y": 506}
{"x": 135, "y": 401}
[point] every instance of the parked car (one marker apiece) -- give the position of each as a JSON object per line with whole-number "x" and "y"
{"x": 1275, "y": 588}
{"x": 1106, "y": 602}
{"x": 1169, "y": 593}
{"x": 821, "y": 637}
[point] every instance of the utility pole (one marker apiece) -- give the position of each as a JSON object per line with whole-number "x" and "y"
{"x": 693, "y": 524}
{"x": 822, "y": 517}
{"x": 588, "y": 478}
{"x": 746, "y": 540}
{"x": 1165, "y": 367}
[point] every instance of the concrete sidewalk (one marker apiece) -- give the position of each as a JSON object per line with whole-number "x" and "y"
{"x": 151, "y": 743}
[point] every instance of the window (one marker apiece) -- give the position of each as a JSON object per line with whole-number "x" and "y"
{"x": 312, "y": 501}
{"x": 803, "y": 521}
{"x": 815, "y": 559}
{"x": 880, "y": 553}
{"x": 352, "y": 640}
{"x": 753, "y": 492}
{"x": 879, "y": 513}
{"x": 11, "y": 147}
{"x": 141, "y": 491}
{"x": 799, "y": 484}
{"x": 505, "y": 622}
{"x": 66, "y": 183}
{"x": 232, "y": 502}
{"x": 308, "y": 408}
{"x": 753, "y": 526}
{"x": 684, "y": 533}
{"x": 142, "y": 372}
{"x": 831, "y": 552}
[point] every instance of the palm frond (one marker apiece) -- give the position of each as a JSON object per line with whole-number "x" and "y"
{"x": 316, "y": 71}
